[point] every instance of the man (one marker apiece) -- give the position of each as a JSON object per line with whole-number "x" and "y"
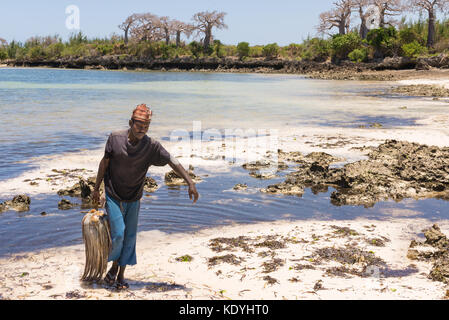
{"x": 128, "y": 155}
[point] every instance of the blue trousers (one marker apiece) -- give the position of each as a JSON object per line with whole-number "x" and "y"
{"x": 123, "y": 221}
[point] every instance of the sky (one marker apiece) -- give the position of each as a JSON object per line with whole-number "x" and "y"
{"x": 256, "y": 22}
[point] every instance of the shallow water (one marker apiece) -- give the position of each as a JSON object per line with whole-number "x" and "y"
{"x": 62, "y": 112}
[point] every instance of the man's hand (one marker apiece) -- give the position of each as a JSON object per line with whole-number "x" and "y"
{"x": 96, "y": 197}
{"x": 193, "y": 194}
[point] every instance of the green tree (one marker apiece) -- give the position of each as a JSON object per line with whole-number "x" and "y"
{"x": 243, "y": 49}
{"x": 384, "y": 41}
{"x": 342, "y": 45}
{"x": 271, "y": 51}
{"x": 316, "y": 49}
{"x": 3, "y": 54}
{"x": 358, "y": 55}
{"x": 413, "y": 49}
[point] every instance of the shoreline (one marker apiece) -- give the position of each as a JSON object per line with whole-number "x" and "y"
{"x": 268, "y": 260}
{"x": 389, "y": 69}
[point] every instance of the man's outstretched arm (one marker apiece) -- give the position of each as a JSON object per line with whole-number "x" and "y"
{"x": 179, "y": 169}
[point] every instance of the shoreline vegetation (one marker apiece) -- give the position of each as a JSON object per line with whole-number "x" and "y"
{"x": 355, "y": 52}
{"x": 344, "y": 70}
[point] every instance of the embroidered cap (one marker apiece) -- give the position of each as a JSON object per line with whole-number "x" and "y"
{"x": 142, "y": 113}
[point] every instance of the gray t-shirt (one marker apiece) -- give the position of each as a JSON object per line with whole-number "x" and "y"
{"x": 128, "y": 165}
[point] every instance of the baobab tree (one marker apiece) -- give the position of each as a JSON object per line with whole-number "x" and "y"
{"x": 128, "y": 23}
{"x": 339, "y": 17}
{"x": 166, "y": 27}
{"x": 361, "y": 6}
{"x": 388, "y": 8}
{"x": 179, "y": 27}
{"x": 205, "y": 21}
{"x": 431, "y": 6}
{"x": 146, "y": 28}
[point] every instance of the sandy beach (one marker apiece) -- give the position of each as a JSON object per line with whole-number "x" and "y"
{"x": 279, "y": 260}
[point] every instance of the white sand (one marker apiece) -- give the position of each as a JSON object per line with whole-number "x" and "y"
{"x": 54, "y": 273}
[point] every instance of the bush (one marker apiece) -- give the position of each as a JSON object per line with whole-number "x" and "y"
{"x": 413, "y": 49}
{"x": 104, "y": 49}
{"x": 442, "y": 45}
{"x": 256, "y": 51}
{"x": 12, "y": 49}
{"x": 358, "y": 55}
{"x": 230, "y": 51}
{"x": 409, "y": 35}
{"x": 54, "y": 50}
{"x": 342, "y": 45}
{"x": 169, "y": 51}
{"x": 209, "y": 50}
{"x": 196, "y": 48}
{"x": 77, "y": 38}
{"x": 3, "y": 54}
{"x": 384, "y": 41}
{"x": 218, "y": 49}
{"x": 271, "y": 50}
{"x": 36, "y": 52}
{"x": 293, "y": 50}
{"x": 243, "y": 49}
{"x": 75, "y": 51}
{"x": 316, "y": 49}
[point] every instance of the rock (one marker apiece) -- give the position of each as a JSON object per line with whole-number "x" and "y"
{"x": 65, "y": 204}
{"x": 18, "y": 203}
{"x": 412, "y": 254}
{"x": 435, "y": 237}
{"x": 284, "y": 188}
{"x": 82, "y": 189}
{"x": 439, "y": 256}
{"x": 376, "y": 125}
{"x": 252, "y": 166}
{"x": 240, "y": 186}
{"x": 172, "y": 178}
{"x": 262, "y": 175}
{"x": 85, "y": 189}
{"x": 395, "y": 170}
{"x": 396, "y": 63}
{"x": 150, "y": 185}
{"x": 422, "y": 90}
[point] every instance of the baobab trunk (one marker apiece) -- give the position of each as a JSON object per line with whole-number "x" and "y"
{"x": 342, "y": 28}
{"x": 382, "y": 18}
{"x": 431, "y": 32}
{"x": 126, "y": 35}
{"x": 178, "y": 38}
{"x": 207, "y": 37}
{"x": 167, "y": 36}
{"x": 363, "y": 29}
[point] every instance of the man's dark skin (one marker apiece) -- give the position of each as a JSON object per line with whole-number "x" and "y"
{"x": 138, "y": 130}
